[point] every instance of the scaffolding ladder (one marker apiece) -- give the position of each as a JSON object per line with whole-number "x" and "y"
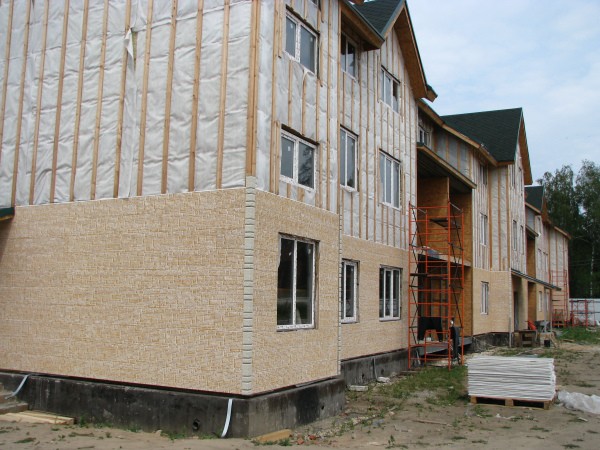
{"x": 436, "y": 285}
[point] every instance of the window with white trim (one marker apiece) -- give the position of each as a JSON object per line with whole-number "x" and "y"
{"x": 540, "y": 301}
{"x": 349, "y": 291}
{"x": 348, "y": 57}
{"x": 515, "y": 238}
{"x": 485, "y": 297}
{"x": 389, "y": 180}
{"x": 483, "y": 174}
{"x": 297, "y": 160}
{"x": 522, "y": 238}
{"x": 390, "y": 90}
{"x": 295, "y": 283}
{"x": 347, "y": 159}
{"x": 389, "y": 293}
{"x": 424, "y": 135}
{"x": 483, "y": 220}
{"x": 301, "y": 43}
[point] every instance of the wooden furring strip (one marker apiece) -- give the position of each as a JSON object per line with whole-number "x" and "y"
{"x": 121, "y": 105}
{"x": 5, "y": 83}
{"x": 195, "y": 98}
{"x": 253, "y": 90}
{"x": 61, "y": 77}
{"x": 169, "y": 89}
{"x": 36, "y": 135}
{"x": 99, "y": 103}
{"x": 273, "y": 171}
{"x": 223, "y": 94}
{"x": 21, "y": 99}
{"x": 86, "y": 9}
{"x": 140, "y": 175}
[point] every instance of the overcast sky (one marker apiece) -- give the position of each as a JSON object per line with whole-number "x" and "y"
{"x": 543, "y": 56}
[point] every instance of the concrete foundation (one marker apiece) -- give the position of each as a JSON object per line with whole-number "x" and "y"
{"x": 482, "y": 341}
{"x": 367, "y": 368}
{"x": 188, "y": 413}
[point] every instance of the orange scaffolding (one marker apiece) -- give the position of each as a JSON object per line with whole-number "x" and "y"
{"x": 436, "y": 281}
{"x": 560, "y": 299}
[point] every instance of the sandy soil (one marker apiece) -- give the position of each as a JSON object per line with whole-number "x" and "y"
{"x": 372, "y": 420}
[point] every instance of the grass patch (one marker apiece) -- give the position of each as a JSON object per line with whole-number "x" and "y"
{"x": 446, "y": 386}
{"x": 25, "y": 441}
{"x": 580, "y": 335}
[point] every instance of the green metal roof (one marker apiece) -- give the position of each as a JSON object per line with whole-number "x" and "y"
{"x": 534, "y": 195}
{"x": 497, "y": 130}
{"x": 380, "y": 14}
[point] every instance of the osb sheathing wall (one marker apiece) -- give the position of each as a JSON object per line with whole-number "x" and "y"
{"x": 516, "y": 193}
{"x": 146, "y": 290}
{"x": 288, "y": 357}
{"x": 369, "y": 334}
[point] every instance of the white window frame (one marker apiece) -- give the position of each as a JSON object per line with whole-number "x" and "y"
{"x": 388, "y": 96}
{"x": 297, "y": 140}
{"x": 522, "y": 239}
{"x": 395, "y": 184}
{"x": 483, "y": 221}
{"x": 344, "y": 137}
{"x": 515, "y": 239}
{"x": 295, "y": 325}
{"x": 485, "y": 298}
{"x": 353, "y": 317}
{"x": 346, "y": 42}
{"x": 424, "y": 135}
{"x": 298, "y": 42}
{"x": 540, "y": 301}
{"x": 383, "y": 300}
{"x": 483, "y": 174}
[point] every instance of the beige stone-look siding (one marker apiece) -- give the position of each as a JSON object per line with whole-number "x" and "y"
{"x": 285, "y": 358}
{"x": 144, "y": 290}
{"x": 500, "y": 302}
{"x": 370, "y": 335}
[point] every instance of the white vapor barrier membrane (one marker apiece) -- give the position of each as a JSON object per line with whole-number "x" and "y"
{"x": 93, "y": 125}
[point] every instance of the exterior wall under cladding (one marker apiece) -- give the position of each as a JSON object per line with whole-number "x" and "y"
{"x": 142, "y": 290}
{"x": 499, "y": 317}
{"x": 370, "y": 334}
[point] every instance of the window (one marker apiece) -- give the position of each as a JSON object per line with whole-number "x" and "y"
{"x": 522, "y": 238}
{"x": 349, "y": 290}
{"x": 390, "y": 90}
{"x": 540, "y": 301}
{"x": 389, "y": 293}
{"x": 348, "y": 160}
{"x": 295, "y": 284}
{"x": 483, "y": 174}
{"x": 515, "y": 237}
{"x": 348, "y": 56}
{"x": 297, "y": 160}
{"x": 484, "y": 229}
{"x": 485, "y": 297}
{"x": 389, "y": 180}
{"x": 301, "y": 43}
{"x": 424, "y": 135}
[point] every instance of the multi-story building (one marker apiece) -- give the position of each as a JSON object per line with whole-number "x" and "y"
{"x": 212, "y": 201}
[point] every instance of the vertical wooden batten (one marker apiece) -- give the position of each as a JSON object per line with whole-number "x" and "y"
{"x": 6, "y": 67}
{"x": 21, "y": 99}
{"x": 99, "y": 102}
{"x": 38, "y": 114}
{"x": 169, "y": 94}
{"x": 140, "y": 176}
{"x": 59, "y": 100}
{"x": 253, "y": 89}
{"x": 195, "y": 97}
{"x": 86, "y": 9}
{"x": 223, "y": 94}
{"x": 119, "y": 144}
{"x": 273, "y": 173}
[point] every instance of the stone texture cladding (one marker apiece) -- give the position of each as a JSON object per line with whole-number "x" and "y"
{"x": 370, "y": 335}
{"x": 286, "y": 358}
{"x": 143, "y": 290}
{"x": 499, "y": 317}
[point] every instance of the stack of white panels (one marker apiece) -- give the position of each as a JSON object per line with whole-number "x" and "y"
{"x": 521, "y": 378}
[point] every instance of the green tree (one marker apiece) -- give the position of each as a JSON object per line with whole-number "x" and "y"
{"x": 574, "y": 206}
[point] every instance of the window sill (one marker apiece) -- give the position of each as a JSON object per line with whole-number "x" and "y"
{"x": 389, "y": 319}
{"x": 350, "y": 190}
{"x": 294, "y": 183}
{"x": 387, "y": 205}
{"x": 349, "y": 321}
{"x": 295, "y": 327}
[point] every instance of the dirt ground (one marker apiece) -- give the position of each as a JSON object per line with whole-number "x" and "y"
{"x": 374, "y": 420}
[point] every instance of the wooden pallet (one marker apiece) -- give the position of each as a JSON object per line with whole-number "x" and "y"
{"x": 545, "y": 404}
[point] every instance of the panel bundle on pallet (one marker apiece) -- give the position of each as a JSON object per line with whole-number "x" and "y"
{"x": 511, "y": 378}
